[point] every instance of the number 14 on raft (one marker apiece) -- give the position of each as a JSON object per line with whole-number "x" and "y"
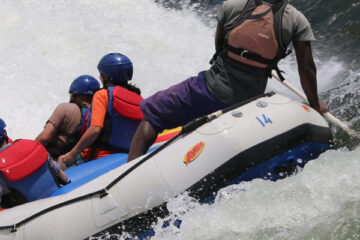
{"x": 264, "y": 120}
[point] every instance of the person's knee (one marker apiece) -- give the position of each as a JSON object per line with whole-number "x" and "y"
{"x": 144, "y": 137}
{"x": 145, "y": 134}
{"x": 148, "y": 130}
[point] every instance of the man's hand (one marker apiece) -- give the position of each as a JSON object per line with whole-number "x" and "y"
{"x": 322, "y": 107}
{"x": 65, "y": 160}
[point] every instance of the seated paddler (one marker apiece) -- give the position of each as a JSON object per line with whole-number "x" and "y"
{"x": 27, "y": 172}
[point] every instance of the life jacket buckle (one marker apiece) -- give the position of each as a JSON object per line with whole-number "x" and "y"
{"x": 243, "y": 52}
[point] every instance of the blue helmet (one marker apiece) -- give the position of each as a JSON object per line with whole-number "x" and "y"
{"x": 84, "y": 84}
{"x": 2, "y": 129}
{"x": 116, "y": 67}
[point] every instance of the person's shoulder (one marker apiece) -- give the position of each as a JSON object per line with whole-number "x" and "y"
{"x": 101, "y": 97}
{"x": 65, "y": 106}
{"x": 235, "y": 2}
{"x": 230, "y": 9}
{"x": 64, "y": 109}
{"x": 294, "y": 13}
{"x": 291, "y": 9}
{"x": 298, "y": 24}
{"x": 232, "y": 5}
{"x": 101, "y": 93}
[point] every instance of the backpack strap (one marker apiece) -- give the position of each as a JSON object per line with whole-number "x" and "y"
{"x": 245, "y": 13}
{"x": 278, "y": 10}
{"x": 85, "y": 119}
{"x": 260, "y": 15}
{"x": 250, "y": 55}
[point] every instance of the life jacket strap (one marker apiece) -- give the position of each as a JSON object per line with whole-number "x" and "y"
{"x": 250, "y": 55}
{"x": 260, "y": 15}
{"x": 84, "y": 123}
{"x": 276, "y": 67}
{"x": 278, "y": 71}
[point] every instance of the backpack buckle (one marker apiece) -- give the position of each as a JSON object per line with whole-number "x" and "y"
{"x": 243, "y": 52}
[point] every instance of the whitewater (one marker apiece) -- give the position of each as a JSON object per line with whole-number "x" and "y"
{"x": 46, "y": 44}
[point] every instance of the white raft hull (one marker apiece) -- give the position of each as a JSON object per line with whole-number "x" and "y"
{"x": 75, "y": 216}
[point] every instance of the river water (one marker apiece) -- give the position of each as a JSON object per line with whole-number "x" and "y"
{"x": 45, "y": 44}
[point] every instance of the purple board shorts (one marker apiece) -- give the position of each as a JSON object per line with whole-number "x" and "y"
{"x": 180, "y": 104}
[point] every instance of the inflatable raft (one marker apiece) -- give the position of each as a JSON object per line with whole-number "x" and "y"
{"x": 268, "y": 137}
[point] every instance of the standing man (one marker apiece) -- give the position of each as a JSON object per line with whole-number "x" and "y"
{"x": 251, "y": 37}
{"x": 69, "y": 120}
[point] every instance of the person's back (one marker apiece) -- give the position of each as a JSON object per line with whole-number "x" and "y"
{"x": 64, "y": 121}
{"x": 65, "y": 125}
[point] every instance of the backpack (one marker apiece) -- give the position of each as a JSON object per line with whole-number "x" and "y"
{"x": 256, "y": 40}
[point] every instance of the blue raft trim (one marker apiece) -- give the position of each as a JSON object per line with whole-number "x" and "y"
{"x": 280, "y": 166}
{"x": 88, "y": 171}
{"x": 38, "y": 185}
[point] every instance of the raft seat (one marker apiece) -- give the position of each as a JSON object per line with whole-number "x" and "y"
{"x": 84, "y": 173}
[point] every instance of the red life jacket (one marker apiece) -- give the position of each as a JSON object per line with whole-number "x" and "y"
{"x": 23, "y": 166}
{"x": 22, "y": 158}
{"x": 126, "y": 103}
{"x": 123, "y": 116}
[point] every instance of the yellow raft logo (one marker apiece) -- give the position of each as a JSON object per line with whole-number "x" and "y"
{"x": 194, "y": 152}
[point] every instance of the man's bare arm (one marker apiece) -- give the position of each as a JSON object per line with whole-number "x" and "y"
{"x": 307, "y": 72}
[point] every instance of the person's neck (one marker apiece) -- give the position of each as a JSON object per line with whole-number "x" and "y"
{"x": 86, "y": 103}
{"x": 3, "y": 144}
{"x": 81, "y": 99}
